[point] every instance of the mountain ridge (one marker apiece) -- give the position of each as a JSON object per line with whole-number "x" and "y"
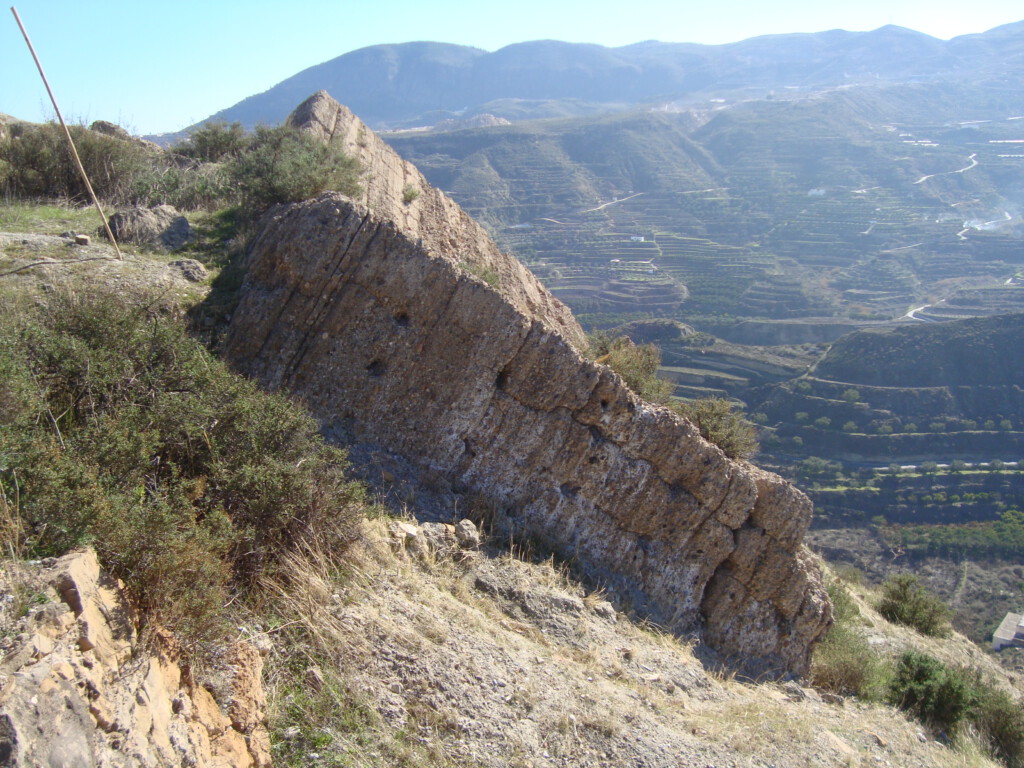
{"x": 405, "y": 84}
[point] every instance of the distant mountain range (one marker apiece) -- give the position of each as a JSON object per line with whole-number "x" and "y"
{"x": 423, "y": 83}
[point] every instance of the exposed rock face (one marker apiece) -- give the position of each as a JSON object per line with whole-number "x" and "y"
{"x": 115, "y": 131}
{"x": 161, "y": 228}
{"x": 190, "y": 269}
{"x": 372, "y": 321}
{"x": 108, "y": 128}
{"x": 77, "y": 688}
{"x": 393, "y": 189}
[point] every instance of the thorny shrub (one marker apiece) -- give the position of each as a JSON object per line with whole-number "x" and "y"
{"x": 119, "y": 430}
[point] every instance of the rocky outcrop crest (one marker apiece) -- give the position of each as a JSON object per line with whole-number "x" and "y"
{"x": 377, "y": 324}
{"x": 394, "y": 190}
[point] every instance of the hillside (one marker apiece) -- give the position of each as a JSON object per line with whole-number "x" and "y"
{"x": 779, "y": 210}
{"x": 968, "y": 353}
{"x": 461, "y": 657}
{"x": 473, "y": 635}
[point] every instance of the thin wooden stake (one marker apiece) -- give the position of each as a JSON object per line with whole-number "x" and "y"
{"x": 67, "y": 134}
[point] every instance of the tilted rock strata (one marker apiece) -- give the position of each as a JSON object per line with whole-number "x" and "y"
{"x": 394, "y": 189}
{"x": 78, "y": 688}
{"x": 388, "y": 340}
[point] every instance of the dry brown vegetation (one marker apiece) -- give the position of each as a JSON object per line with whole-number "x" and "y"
{"x": 486, "y": 659}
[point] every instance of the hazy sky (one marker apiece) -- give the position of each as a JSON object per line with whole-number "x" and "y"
{"x": 160, "y": 67}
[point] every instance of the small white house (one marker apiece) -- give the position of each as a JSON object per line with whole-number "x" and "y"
{"x": 1010, "y": 632}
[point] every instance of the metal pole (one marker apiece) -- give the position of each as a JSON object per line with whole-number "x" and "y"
{"x": 67, "y": 133}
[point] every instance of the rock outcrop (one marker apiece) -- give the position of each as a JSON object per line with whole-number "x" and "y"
{"x": 79, "y": 688}
{"x": 161, "y": 228}
{"x": 394, "y": 190}
{"x": 402, "y": 324}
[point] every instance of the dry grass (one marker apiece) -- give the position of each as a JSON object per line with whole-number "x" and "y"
{"x": 575, "y": 703}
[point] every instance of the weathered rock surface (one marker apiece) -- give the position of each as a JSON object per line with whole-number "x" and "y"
{"x": 367, "y": 315}
{"x": 115, "y": 131}
{"x": 79, "y": 688}
{"x": 190, "y": 269}
{"x": 108, "y": 128}
{"x": 393, "y": 189}
{"x": 161, "y": 228}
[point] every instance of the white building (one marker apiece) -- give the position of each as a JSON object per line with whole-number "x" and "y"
{"x": 1010, "y": 632}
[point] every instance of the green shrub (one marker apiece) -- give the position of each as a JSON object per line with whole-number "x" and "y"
{"x": 715, "y": 417}
{"x": 213, "y": 142}
{"x": 934, "y": 693}
{"x": 283, "y": 165}
{"x": 409, "y": 194}
{"x": 488, "y": 274}
{"x": 272, "y": 165}
{"x": 637, "y": 364}
{"x": 906, "y": 601}
{"x": 999, "y": 719}
{"x": 191, "y": 188}
{"x": 720, "y": 423}
{"x": 844, "y": 662}
{"x": 944, "y": 697}
{"x": 35, "y": 162}
{"x": 119, "y": 430}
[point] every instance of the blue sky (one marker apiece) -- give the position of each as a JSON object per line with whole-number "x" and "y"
{"x": 160, "y": 67}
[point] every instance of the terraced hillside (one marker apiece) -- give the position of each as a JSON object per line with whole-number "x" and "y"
{"x": 923, "y": 392}
{"x": 809, "y": 206}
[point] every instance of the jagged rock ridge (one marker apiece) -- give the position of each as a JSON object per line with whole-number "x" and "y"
{"x": 381, "y": 324}
{"x": 395, "y": 190}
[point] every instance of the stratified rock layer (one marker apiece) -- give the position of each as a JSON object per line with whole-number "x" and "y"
{"x": 393, "y": 337}
{"x": 79, "y": 688}
{"x": 395, "y": 190}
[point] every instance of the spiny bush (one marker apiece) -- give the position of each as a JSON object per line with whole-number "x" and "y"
{"x": 119, "y": 430}
{"x": 999, "y": 719}
{"x": 213, "y": 142}
{"x": 945, "y": 697}
{"x": 189, "y": 188}
{"x": 716, "y": 418}
{"x": 35, "y": 162}
{"x": 637, "y": 364}
{"x": 720, "y": 423}
{"x": 938, "y": 695}
{"x": 283, "y": 165}
{"x": 272, "y": 165}
{"x": 906, "y": 601}
{"x": 845, "y": 662}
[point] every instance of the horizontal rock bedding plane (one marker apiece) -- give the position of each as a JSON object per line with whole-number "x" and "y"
{"x": 396, "y": 320}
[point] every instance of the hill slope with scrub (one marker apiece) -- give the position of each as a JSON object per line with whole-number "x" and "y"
{"x": 318, "y": 625}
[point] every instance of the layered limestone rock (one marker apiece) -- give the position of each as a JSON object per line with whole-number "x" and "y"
{"x": 78, "y": 688}
{"x": 387, "y": 337}
{"x": 393, "y": 189}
